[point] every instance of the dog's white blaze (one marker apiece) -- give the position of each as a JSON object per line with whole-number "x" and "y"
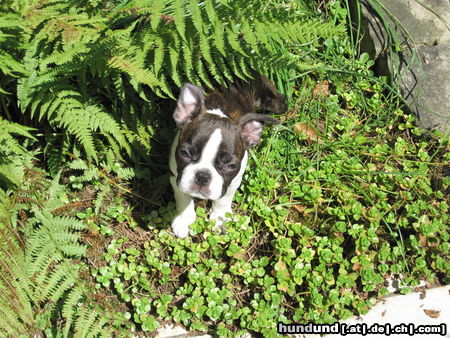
{"x": 209, "y": 154}
{"x": 217, "y": 112}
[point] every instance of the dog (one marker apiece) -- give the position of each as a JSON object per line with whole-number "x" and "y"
{"x": 209, "y": 153}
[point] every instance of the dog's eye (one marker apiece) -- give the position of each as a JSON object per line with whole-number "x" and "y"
{"x": 224, "y": 158}
{"x": 185, "y": 154}
{"x": 231, "y": 166}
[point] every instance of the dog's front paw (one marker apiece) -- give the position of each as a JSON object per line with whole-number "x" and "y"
{"x": 181, "y": 223}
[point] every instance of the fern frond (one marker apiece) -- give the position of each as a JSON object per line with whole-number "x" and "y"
{"x": 71, "y": 307}
{"x": 56, "y": 157}
{"x": 203, "y": 73}
{"x": 58, "y": 281}
{"x": 12, "y": 155}
{"x": 188, "y": 64}
{"x": 15, "y": 128}
{"x": 74, "y": 120}
{"x": 174, "y": 70}
{"x": 233, "y": 39}
{"x": 101, "y": 195}
{"x": 12, "y": 30}
{"x": 17, "y": 312}
{"x": 250, "y": 36}
{"x": 115, "y": 147}
{"x": 78, "y": 164}
{"x": 219, "y": 37}
{"x": 97, "y": 329}
{"x": 10, "y": 322}
{"x": 53, "y": 240}
{"x": 238, "y": 66}
{"x": 196, "y": 16}
{"x": 125, "y": 173}
{"x": 179, "y": 18}
{"x": 65, "y": 56}
{"x": 9, "y": 65}
{"x": 136, "y": 72}
{"x": 156, "y": 10}
{"x": 11, "y": 174}
{"x": 159, "y": 54}
{"x": 86, "y": 322}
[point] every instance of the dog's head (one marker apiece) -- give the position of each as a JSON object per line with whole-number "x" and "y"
{"x": 211, "y": 147}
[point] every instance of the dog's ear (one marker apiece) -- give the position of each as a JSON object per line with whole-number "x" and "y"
{"x": 190, "y": 103}
{"x": 252, "y": 127}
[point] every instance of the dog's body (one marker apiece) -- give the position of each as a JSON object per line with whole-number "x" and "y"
{"x": 244, "y": 98}
{"x": 209, "y": 153}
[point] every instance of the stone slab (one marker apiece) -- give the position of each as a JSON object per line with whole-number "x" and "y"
{"x": 421, "y": 66}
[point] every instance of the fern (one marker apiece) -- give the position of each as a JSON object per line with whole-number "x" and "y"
{"x": 206, "y": 40}
{"x": 39, "y": 273}
{"x": 71, "y": 307}
{"x": 105, "y": 190}
{"x": 16, "y": 307}
{"x": 11, "y": 32}
{"x": 88, "y": 70}
{"x": 179, "y": 17}
{"x": 56, "y": 156}
{"x": 13, "y": 156}
{"x": 90, "y": 324}
{"x": 156, "y": 10}
{"x": 136, "y": 71}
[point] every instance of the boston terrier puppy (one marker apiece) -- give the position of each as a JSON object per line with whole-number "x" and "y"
{"x": 209, "y": 154}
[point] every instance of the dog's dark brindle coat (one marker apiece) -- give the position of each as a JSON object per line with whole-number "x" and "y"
{"x": 243, "y": 98}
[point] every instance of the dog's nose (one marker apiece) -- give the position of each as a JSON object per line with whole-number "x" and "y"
{"x": 202, "y": 177}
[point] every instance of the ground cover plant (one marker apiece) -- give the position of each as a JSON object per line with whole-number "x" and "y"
{"x": 343, "y": 195}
